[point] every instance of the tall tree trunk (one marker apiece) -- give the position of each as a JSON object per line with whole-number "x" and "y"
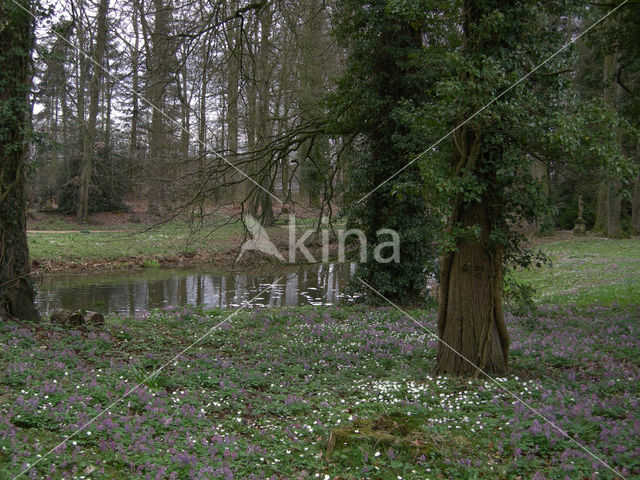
{"x": 311, "y": 79}
{"x": 185, "y": 136}
{"x": 135, "y": 106}
{"x": 635, "y": 205}
{"x": 261, "y": 203}
{"x": 16, "y": 42}
{"x": 158, "y": 80}
{"x": 470, "y": 316}
{"x": 81, "y": 70}
{"x": 238, "y": 190}
{"x": 610, "y": 189}
{"x": 108, "y": 100}
{"x": 94, "y": 92}
{"x": 250, "y": 130}
{"x": 202, "y": 120}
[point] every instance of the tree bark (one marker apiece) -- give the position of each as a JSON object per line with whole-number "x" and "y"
{"x": 635, "y": 208}
{"x": 135, "y": 106}
{"x": 185, "y": 136}
{"x": 261, "y": 205}
{"x": 471, "y": 323}
{"x": 312, "y": 72}
{"x": 614, "y": 227}
{"x": 16, "y": 42}
{"x": 609, "y": 199}
{"x": 202, "y": 120}
{"x": 470, "y": 316}
{"x": 602, "y": 217}
{"x": 635, "y": 205}
{"x": 94, "y": 93}
{"x": 158, "y": 79}
{"x": 238, "y": 190}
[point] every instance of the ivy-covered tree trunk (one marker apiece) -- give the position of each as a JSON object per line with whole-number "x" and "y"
{"x": 16, "y": 40}
{"x": 471, "y": 322}
{"x": 384, "y": 92}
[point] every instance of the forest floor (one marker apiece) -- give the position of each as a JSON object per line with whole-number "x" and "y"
{"x": 335, "y": 392}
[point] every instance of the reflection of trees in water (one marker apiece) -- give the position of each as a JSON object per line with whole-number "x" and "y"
{"x": 308, "y": 284}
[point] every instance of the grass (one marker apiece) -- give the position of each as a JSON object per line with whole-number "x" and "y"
{"x": 59, "y": 244}
{"x": 167, "y": 241}
{"x": 588, "y": 271}
{"x": 296, "y": 393}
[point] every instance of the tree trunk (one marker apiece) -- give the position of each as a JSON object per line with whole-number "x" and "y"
{"x": 602, "y": 217}
{"x": 94, "y": 89}
{"x": 135, "y": 108}
{"x": 81, "y": 70}
{"x": 470, "y": 316}
{"x": 609, "y": 199}
{"x": 311, "y": 85}
{"x": 260, "y": 203}
{"x": 238, "y": 190}
{"x": 635, "y": 205}
{"x": 614, "y": 228}
{"x": 635, "y": 208}
{"x": 185, "y": 136}
{"x": 471, "y": 323}
{"x": 158, "y": 80}
{"x": 202, "y": 120}
{"x": 16, "y": 43}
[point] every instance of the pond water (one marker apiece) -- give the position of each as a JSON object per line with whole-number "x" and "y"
{"x": 133, "y": 293}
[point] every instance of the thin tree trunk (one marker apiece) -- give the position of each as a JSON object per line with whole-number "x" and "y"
{"x": 250, "y": 129}
{"x": 108, "y": 100}
{"x": 311, "y": 83}
{"x": 16, "y": 42}
{"x": 238, "y": 190}
{"x": 94, "y": 89}
{"x": 135, "y": 108}
{"x": 186, "y": 120}
{"x": 81, "y": 71}
{"x": 202, "y": 121}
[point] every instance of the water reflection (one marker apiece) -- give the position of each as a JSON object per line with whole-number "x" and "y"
{"x": 128, "y": 294}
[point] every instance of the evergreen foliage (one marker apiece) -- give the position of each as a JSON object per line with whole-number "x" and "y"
{"x": 382, "y": 97}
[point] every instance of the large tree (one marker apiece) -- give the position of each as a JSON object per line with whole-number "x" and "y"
{"x": 16, "y": 41}
{"x": 86, "y": 170}
{"x": 381, "y": 99}
{"x": 493, "y": 192}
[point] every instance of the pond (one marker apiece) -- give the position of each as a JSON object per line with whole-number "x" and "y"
{"x": 133, "y": 293}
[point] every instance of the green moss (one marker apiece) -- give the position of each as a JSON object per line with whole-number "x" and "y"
{"x": 397, "y": 431}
